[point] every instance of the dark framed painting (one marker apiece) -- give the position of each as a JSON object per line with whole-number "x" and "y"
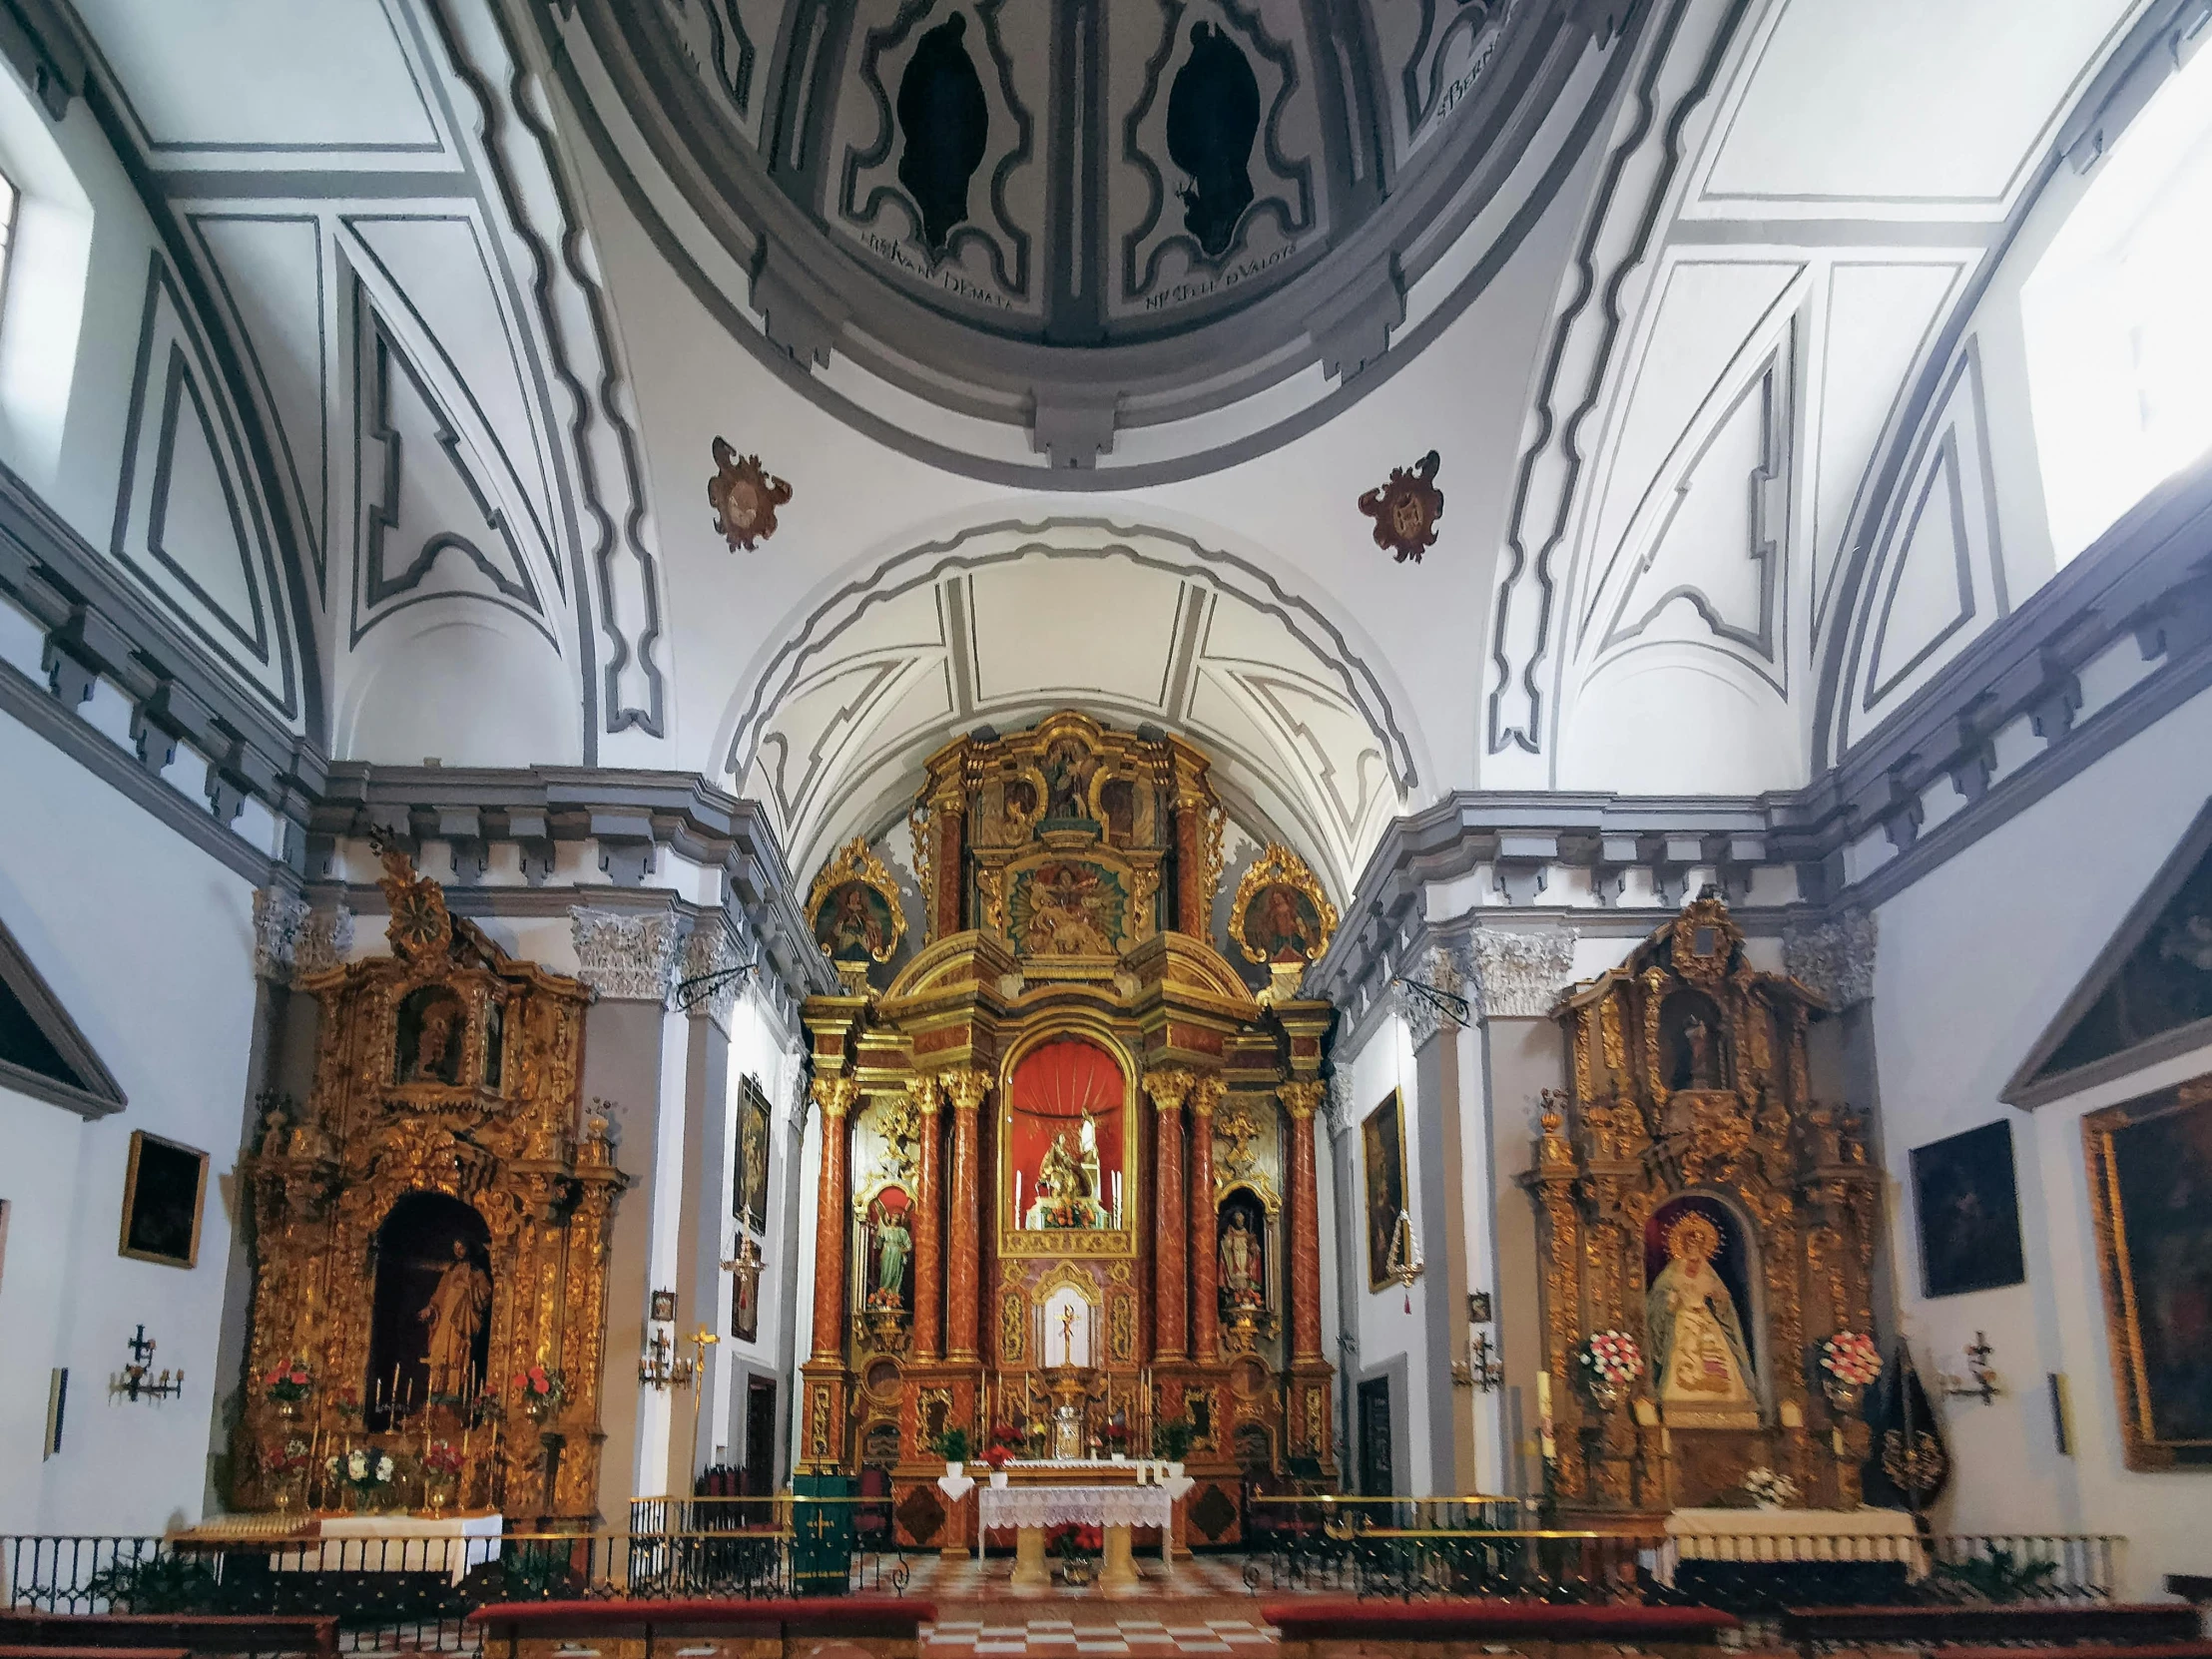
{"x": 2150, "y": 1195}
{"x": 164, "y": 1191}
{"x": 749, "y": 1161}
{"x": 1382, "y": 1160}
{"x": 1968, "y": 1210}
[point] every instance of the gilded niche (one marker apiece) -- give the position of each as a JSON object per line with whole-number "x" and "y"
{"x": 1692, "y": 1194}
{"x": 432, "y": 1225}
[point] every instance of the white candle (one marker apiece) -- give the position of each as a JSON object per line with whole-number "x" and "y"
{"x": 1018, "y": 1212}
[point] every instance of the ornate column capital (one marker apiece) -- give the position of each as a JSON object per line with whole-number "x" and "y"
{"x": 279, "y": 916}
{"x": 1300, "y": 1100}
{"x": 966, "y": 1088}
{"x": 710, "y": 950}
{"x": 627, "y": 956}
{"x": 1521, "y": 975}
{"x": 1206, "y": 1092}
{"x": 1168, "y": 1087}
{"x": 836, "y": 1095}
{"x": 1341, "y": 1112}
{"x": 927, "y": 1091}
{"x": 1833, "y": 956}
{"x": 323, "y": 941}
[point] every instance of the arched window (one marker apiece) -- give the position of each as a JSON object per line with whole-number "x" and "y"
{"x": 2118, "y": 336}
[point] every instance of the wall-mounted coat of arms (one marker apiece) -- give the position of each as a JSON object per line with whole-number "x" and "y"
{"x": 744, "y": 497}
{"x": 1407, "y": 510}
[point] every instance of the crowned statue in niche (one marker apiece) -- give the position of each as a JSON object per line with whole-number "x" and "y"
{"x": 1701, "y": 1363}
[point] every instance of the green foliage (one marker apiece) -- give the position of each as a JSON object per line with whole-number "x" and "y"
{"x": 952, "y": 1446}
{"x": 156, "y": 1584}
{"x": 1171, "y": 1440}
{"x": 2001, "y": 1576}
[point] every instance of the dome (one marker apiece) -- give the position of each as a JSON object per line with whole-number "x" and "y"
{"x": 1138, "y": 238}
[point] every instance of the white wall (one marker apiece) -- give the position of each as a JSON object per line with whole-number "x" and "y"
{"x": 1974, "y": 961}
{"x": 148, "y": 943}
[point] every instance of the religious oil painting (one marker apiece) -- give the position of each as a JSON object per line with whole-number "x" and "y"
{"x": 1697, "y": 1314}
{"x": 1066, "y": 1154}
{"x": 2150, "y": 1191}
{"x": 1383, "y": 1157}
{"x": 428, "y": 1036}
{"x": 749, "y": 1177}
{"x": 1282, "y": 924}
{"x": 164, "y": 1191}
{"x": 857, "y": 924}
{"x": 1969, "y": 1212}
{"x": 1067, "y": 907}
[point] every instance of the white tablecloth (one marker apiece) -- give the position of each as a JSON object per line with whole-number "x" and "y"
{"x": 451, "y": 1544}
{"x": 1074, "y": 1506}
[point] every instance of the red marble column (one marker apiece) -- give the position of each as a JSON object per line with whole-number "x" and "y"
{"x": 928, "y": 1200}
{"x": 963, "y": 1250}
{"x": 1194, "y": 903}
{"x": 1205, "y": 1093}
{"x": 1300, "y": 1100}
{"x": 834, "y": 1095}
{"x": 1168, "y": 1087}
{"x": 947, "y": 871}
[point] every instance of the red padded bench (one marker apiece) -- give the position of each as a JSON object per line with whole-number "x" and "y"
{"x": 196, "y": 1633}
{"x": 881, "y": 1625}
{"x": 2134, "y": 1627}
{"x": 1416, "y": 1626}
{"x": 25, "y": 1650}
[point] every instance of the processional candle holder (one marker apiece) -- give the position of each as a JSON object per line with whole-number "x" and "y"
{"x": 137, "y": 1381}
{"x": 1986, "y": 1385}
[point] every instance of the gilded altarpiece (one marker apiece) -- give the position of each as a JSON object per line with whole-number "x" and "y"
{"x": 1693, "y": 1193}
{"x": 447, "y": 1085}
{"x": 1069, "y": 1157}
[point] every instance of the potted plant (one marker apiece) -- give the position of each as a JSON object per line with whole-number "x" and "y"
{"x": 1116, "y": 1436}
{"x": 1171, "y": 1441}
{"x": 1075, "y": 1544}
{"x": 953, "y": 1447}
{"x": 1005, "y": 1444}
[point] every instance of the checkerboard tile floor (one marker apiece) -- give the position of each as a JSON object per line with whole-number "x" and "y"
{"x": 1112, "y": 1636}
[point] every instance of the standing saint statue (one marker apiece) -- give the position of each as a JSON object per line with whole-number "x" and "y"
{"x": 1240, "y": 1261}
{"x": 892, "y": 1244}
{"x": 1697, "y": 1339}
{"x": 454, "y": 1314}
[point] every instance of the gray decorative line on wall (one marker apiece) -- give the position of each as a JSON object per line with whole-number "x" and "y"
{"x": 1943, "y": 470}
{"x": 1012, "y": 272}
{"x": 931, "y": 561}
{"x": 725, "y": 29}
{"x": 620, "y": 712}
{"x": 376, "y": 588}
{"x": 1291, "y": 221}
{"x": 1522, "y": 729}
{"x": 1467, "y": 19}
{"x": 315, "y": 535}
{"x": 177, "y": 390}
{"x": 162, "y": 295}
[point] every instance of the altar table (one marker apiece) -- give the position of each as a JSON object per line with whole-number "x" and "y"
{"x": 1778, "y": 1535}
{"x": 451, "y": 1544}
{"x": 1030, "y": 1509}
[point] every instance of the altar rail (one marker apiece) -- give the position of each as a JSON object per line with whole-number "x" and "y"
{"x": 413, "y": 1592}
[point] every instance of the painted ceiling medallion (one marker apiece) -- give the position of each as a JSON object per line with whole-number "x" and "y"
{"x": 1407, "y": 510}
{"x": 743, "y": 498}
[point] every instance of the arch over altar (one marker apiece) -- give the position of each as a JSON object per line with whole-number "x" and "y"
{"x": 1100, "y": 1141}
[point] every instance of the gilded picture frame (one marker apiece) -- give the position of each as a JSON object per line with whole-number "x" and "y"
{"x": 1386, "y": 1183}
{"x": 164, "y": 1192}
{"x": 2149, "y": 1166}
{"x": 854, "y": 908}
{"x": 1279, "y": 912}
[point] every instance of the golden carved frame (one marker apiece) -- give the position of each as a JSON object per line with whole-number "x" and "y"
{"x": 1015, "y": 1241}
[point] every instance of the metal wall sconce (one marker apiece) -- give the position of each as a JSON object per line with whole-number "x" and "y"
{"x": 1481, "y": 1369}
{"x": 137, "y": 1382}
{"x": 660, "y": 1368}
{"x": 1986, "y": 1387}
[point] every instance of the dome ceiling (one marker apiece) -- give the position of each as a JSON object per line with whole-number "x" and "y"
{"x": 1062, "y": 223}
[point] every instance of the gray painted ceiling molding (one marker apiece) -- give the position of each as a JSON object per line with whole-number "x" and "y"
{"x": 95, "y": 1093}
{"x": 818, "y": 296}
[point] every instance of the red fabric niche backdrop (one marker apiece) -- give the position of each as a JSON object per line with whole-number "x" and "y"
{"x": 1052, "y": 1085}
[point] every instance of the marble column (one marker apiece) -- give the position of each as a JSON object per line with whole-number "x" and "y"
{"x": 947, "y": 869}
{"x": 1301, "y": 1101}
{"x": 929, "y": 1093}
{"x": 834, "y": 1095}
{"x": 1169, "y": 1088}
{"x": 965, "y": 1255}
{"x": 1205, "y": 1093}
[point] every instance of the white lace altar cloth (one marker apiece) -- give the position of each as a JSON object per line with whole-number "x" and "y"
{"x": 1018, "y": 1506}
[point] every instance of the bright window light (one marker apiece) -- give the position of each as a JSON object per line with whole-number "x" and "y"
{"x": 2118, "y": 330}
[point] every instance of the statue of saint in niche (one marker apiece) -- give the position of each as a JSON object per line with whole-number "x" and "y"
{"x": 1701, "y": 1365}
{"x": 893, "y": 1244}
{"x": 454, "y": 1314}
{"x": 1240, "y": 1260}
{"x": 429, "y": 1037}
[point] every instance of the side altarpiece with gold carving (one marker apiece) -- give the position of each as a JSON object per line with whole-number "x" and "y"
{"x": 447, "y": 1085}
{"x": 1069, "y": 1158}
{"x": 1692, "y": 1194}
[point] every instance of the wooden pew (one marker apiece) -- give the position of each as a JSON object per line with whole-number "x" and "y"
{"x": 1964, "y": 1627}
{"x": 878, "y": 1627}
{"x": 1319, "y": 1627}
{"x": 27, "y": 1650}
{"x": 196, "y": 1633}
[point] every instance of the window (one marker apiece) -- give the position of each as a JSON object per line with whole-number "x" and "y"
{"x": 9, "y": 197}
{"x": 2119, "y": 338}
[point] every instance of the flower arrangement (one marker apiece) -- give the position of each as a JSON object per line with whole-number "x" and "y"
{"x": 1071, "y": 1211}
{"x": 1770, "y": 1490}
{"x": 1116, "y": 1435}
{"x": 1850, "y": 1357}
{"x": 952, "y": 1446}
{"x": 441, "y": 1460}
{"x": 289, "y": 1385}
{"x": 287, "y": 1457}
{"x": 1077, "y": 1539}
{"x": 1172, "y": 1438}
{"x": 542, "y": 1390}
{"x": 1611, "y": 1359}
{"x": 349, "y": 1404}
{"x": 1006, "y": 1442}
{"x": 366, "y": 1473}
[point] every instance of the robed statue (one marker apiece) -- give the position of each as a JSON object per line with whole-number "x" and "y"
{"x": 892, "y": 1246}
{"x": 1699, "y": 1358}
{"x": 1240, "y": 1260}
{"x": 454, "y": 1314}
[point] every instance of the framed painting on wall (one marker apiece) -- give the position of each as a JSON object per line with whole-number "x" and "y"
{"x": 164, "y": 1190}
{"x": 2150, "y": 1195}
{"x": 1383, "y": 1154}
{"x": 749, "y": 1180}
{"x": 1968, "y": 1210}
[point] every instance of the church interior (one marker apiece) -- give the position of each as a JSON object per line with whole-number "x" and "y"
{"x": 1362, "y": 823}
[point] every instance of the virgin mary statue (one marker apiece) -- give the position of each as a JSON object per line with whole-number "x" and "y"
{"x": 1700, "y": 1362}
